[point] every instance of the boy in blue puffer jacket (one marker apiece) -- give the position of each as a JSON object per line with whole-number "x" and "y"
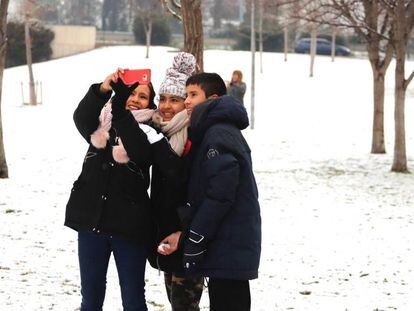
{"x": 223, "y": 240}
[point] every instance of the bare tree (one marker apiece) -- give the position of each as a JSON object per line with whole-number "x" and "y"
{"x": 148, "y": 32}
{"x": 372, "y": 24}
{"x": 116, "y": 14}
{"x": 307, "y": 11}
{"x": 285, "y": 41}
{"x": 4, "y": 172}
{"x": 373, "y": 27}
{"x": 189, "y": 12}
{"x": 253, "y": 52}
{"x": 27, "y": 11}
{"x": 401, "y": 13}
{"x": 333, "y": 43}
{"x": 261, "y": 17}
{"x": 385, "y": 26}
{"x": 28, "y": 42}
{"x": 148, "y": 9}
{"x": 312, "y": 51}
{"x": 289, "y": 21}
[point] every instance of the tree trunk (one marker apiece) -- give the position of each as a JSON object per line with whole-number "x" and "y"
{"x": 241, "y": 11}
{"x": 253, "y": 52}
{"x": 193, "y": 30}
{"x": 378, "y": 141}
{"x": 333, "y": 44}
{"x": 286, "y": 41}
{"x": 217, "y": 14}
{"x": 379, "y": 66}
{"x": 401, "y": 36}
{"x": 261, "y": 34}
{"x": 28, "y": 42}
{"x": 313, "y": 49}
{"x": 400, "y": 157}
{"x": 4, "y": 171}
{"x": 148, "y": 33}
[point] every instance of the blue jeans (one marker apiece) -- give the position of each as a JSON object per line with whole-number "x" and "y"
{"x": 94, "y": 252}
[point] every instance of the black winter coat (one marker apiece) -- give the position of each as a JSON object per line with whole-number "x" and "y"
{"x": 222, "y": 190}
{"x": 110, "y": 197}
{"x": 168, "y": 192}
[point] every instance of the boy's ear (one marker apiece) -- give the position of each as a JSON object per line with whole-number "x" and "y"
{"x": 213, "y": 96}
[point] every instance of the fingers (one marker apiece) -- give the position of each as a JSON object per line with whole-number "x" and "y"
{"x": 114, "y": 77}
{"x": 167, "y": 250}
{"x": 118, "y": 73}
{"x": 164, "y": 249}
{"x": 170, "y": 244}
{"x": 162, "y": 252}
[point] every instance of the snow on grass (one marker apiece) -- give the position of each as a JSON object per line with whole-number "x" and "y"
{"x": 337, "y": 224}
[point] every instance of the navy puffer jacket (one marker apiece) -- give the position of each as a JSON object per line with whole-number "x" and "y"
{"x": 222, "y": 190}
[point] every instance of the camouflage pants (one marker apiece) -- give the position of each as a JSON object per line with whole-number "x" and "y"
{"x": 183, "y": 293}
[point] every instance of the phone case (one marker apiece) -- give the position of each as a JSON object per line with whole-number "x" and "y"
{"x": 142, "y": 76}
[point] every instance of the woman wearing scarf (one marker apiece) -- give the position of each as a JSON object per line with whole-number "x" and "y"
{"x": 169, "y": 184}
{"x": 109, "y": 204}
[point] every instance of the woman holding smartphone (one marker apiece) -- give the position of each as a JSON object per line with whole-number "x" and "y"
{"x": 109, "y": 204}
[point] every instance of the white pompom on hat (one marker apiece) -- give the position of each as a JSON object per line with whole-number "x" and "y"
{"x": 184, "y": 65}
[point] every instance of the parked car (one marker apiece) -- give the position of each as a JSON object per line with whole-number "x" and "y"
{"x": 323, "y": 47}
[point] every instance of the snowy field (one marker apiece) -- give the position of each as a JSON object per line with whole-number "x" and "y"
{"x": 338, "y": 226}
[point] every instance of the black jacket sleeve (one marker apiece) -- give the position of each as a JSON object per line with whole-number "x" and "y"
{"x": 134, "y": 139}
{"x": 170, "y": 167}
{"x": 220, "y": 171}
{"x": 86, "y": 115}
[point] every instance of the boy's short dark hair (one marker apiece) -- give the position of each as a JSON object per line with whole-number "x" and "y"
{"x": 210, "y": 83}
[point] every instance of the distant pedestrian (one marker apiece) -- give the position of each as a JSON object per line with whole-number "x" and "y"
{"x": 236, "y": 87}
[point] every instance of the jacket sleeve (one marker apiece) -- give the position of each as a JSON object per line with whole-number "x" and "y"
{"x": 171, "y": 169}
{"x": 242, "y": 88}
{"x": 86, "y": 115}
{"x": 134, "y": 139}
{"x": 220, "y": 171}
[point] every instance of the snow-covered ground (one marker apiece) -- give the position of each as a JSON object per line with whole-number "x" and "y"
{"x": 338, "y": 226}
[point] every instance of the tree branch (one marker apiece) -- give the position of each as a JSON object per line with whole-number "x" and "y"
{"x": 176, "y": 4}
{"x": 168, "y": 9}
{"x": 407, "y": 82}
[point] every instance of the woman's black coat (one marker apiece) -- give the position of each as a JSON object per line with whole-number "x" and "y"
{"x": 168, "y": 192}
{"x": 109, "y": 197}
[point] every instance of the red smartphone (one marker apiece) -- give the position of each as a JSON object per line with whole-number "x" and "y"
{"x": 142, "y": 76}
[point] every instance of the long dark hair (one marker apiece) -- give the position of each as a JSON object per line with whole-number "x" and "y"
{"x": 151, "y": 97}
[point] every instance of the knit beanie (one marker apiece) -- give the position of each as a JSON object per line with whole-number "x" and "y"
{"x": 184, "y": 65}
